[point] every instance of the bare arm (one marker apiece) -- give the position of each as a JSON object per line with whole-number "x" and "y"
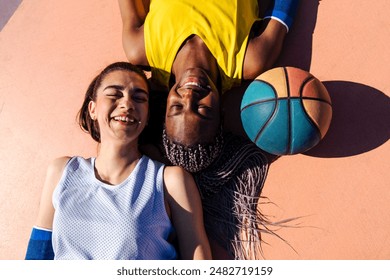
{"x": 264, "y": 48}
{"x": 133, "y": 13}
{"x": 266, "y": 39}
{"x": 46, "y": 209}
{"x": 186, "y": 211}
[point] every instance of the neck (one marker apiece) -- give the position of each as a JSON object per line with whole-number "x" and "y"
{"x": 114, "y": 163}
{"x": 195, "y": 54}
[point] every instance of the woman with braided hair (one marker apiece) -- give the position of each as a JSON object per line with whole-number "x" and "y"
{"x": 197, "y": 50}
{"x": 231, "y": 189}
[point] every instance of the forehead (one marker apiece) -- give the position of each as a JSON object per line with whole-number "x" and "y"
{"x": 124, "y": 78}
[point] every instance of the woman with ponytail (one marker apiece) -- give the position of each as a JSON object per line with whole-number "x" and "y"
{"x": 120, "y": 204}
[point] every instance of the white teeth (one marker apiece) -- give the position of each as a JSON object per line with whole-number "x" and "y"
{"x": 195, "y": 84}
{"x": 192, "y": 84}
{"x": 124, "y": 119}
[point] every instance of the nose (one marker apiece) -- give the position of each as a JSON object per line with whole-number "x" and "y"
{"x": 189, "y": 98}
{"x": 126, "y": 103}
{"x": 190, "y": 93}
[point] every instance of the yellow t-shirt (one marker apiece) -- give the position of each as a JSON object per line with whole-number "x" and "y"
{"x": 223, "y": 25}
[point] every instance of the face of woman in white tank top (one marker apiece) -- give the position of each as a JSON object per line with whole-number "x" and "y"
{"x": 121, "y": 107}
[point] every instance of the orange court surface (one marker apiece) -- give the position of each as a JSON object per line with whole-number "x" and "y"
{"x": 51, "y": 50}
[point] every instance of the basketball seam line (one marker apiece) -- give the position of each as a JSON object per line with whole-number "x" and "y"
{"x": 289, "y": 98}
{"x": 285, "y": 98}
{"x": 313, "y": 123}
{"x": 273, "y": 113}
{"x": 289, "y": 141}
{"x": 308, "y": 79}
{"x": 271, "y": 116}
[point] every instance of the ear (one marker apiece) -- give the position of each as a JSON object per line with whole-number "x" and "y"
{"x": 92, "y": 110}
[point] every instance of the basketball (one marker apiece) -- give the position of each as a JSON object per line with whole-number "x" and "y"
{"x": 286, "y": 111}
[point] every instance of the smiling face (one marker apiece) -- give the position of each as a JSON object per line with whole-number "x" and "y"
{"x": 193, "y": 109}
{"x": 121, "y": 106}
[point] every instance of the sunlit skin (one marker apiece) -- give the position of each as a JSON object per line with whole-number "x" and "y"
{"x": 193, "y": 108}
{"x": 121, "y": 103}
{"x": 121, "y": 111}
{"x": 121, "y": 106}
{"x": 264, "y": 46}
{"x": 192, "y": 116}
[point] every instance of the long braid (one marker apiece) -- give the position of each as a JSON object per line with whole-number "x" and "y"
{"x": 230, "y": 174}
{"x": 231, "y": 189}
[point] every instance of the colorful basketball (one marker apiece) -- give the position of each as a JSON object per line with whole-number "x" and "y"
{"x": 286, "y": 111}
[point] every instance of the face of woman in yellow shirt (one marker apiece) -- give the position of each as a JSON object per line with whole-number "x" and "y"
{"x": 193, "y": 109}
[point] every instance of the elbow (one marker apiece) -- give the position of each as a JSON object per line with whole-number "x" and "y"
{"x": 132, "y": 55}
{"x": 134, "y": 49}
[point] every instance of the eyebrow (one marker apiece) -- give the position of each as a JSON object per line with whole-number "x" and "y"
{"x": 119, "y": 87}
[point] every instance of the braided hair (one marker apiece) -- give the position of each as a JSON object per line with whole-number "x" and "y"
{"x": 192, "y": 158}
{"x": 231, "y": 191}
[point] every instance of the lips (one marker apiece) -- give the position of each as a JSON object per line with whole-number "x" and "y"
{"x": 192, "y": 82}
{"x": 125, "y": 119}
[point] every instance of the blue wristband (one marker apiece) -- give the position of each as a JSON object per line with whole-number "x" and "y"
{"x": 40, "y": 246}
{"x": 283, "y": 11}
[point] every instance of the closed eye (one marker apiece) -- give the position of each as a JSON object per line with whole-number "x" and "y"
{"x": 175, "y": 109}
{"x": 114, "y": 95}
{"x": 113, "y": 90}
{"x": 204, "y": 110}
{"x": 140, "y": 96}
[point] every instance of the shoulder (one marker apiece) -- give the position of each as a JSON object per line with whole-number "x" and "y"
{"x": 176, "y": 174}
{"x": 179, "y": 184}
{"x": 58, "y": 164}
{"x": 56, "y": 168}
